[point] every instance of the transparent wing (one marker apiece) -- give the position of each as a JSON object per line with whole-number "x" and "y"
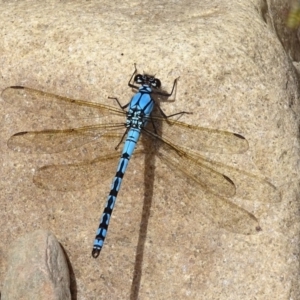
{"x": 198, "y": 179}
{"x": 202, "y": 175}
{"x": 55, "y": 106}
{"x": 222, "y": 211}
{"x": 84, "y": 175}
{"x": 210, "y": 174}
{"x": 72, "y": 177}
{"x": 194, "y": 137}
{"x": 54, "y": 141}
{"x": 202, "y": 139}
{"x": 198, "y": 175}
{"x": 248, "y": 186}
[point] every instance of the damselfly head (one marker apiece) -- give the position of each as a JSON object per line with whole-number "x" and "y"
{"x": 148, "y": 80}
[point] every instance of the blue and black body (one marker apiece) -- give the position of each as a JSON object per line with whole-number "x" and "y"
{"x": 139, "y": 112}
{"x": 179, "y": 145}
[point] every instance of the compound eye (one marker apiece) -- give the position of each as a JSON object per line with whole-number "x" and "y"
{"x": 156, "y": 83}
{"x": 138, "y": 78}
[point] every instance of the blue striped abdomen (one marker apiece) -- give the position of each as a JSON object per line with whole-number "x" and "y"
{"x": 131, "y": 140}
{"x": 140, "y": 108}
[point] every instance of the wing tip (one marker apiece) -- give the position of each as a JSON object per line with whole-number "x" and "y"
{"x": 20, "y": 133}
{"x": 16, "y": 87}
{"x": 239, "y": 136}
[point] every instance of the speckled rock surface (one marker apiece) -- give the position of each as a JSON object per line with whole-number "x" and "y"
{"x": 37, "y": 269}
{"x": 162, "y": 243}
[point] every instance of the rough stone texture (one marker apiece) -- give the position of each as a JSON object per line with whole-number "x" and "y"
{"x": 37, "y": 269}
{"x": 234, "y": 75}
